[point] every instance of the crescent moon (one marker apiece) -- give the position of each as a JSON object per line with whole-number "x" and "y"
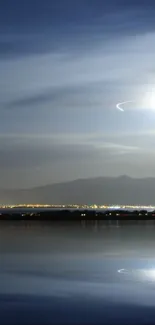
{"x": 122, "y": 271}
{"x": 118, "y": 106}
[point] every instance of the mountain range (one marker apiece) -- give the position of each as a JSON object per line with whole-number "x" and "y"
{"x": 100, "y": 190}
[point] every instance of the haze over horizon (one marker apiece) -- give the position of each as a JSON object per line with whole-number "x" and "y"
{"x": 83, "y": 179}
{"x": 64, "y": 66}
{"x": 121, "y": 190}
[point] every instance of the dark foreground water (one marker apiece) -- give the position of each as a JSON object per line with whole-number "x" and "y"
{"x": 77, "y": 275}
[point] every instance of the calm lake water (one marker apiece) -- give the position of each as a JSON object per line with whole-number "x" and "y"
{"x": 77, "y": 274}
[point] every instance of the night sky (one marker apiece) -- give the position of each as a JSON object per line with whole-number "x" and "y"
{"x": 64, "y": 65}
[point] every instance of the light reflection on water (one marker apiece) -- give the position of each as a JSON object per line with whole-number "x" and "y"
{"x": 74, "y": 262}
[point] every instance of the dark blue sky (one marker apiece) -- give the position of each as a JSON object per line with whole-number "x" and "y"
{"x": 64, "y": 67}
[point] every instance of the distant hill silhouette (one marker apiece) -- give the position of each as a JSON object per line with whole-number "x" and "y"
{"x": 109, "y": 190}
